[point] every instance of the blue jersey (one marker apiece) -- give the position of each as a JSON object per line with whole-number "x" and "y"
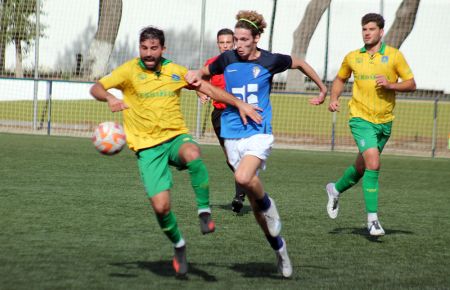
{"x": 251, "y": 82}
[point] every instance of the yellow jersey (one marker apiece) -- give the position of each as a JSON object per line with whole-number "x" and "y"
{"x": 153, "y": 97}
{"x": 369, "y": 102}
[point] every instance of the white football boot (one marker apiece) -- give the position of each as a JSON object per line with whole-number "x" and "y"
{"x": 284, "y": 263}
{"x": 375, "y": 229}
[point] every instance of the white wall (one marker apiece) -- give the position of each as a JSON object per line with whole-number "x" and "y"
{"x": 71, "y": 24}
{"x": 23, "y": 90}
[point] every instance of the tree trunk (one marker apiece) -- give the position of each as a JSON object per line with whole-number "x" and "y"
{"x": 403, "y": 24}
{"x": 3, "y": 39}
{"x": 110, "y": 14}
{"x": 19, "y": 69}
{"x": 302, "y": 37}
{"x": 2, "y": 54}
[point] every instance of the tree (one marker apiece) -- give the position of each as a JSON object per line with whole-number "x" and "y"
{"x": 302, "y": 37}
{"x": 3, "y": 36}
{"x": 18, "y": 26}
{"x": 403, "y": 24}
{"x": 110, "y": 14}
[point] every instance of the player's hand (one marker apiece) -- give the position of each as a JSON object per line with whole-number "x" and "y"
{"x": 247, "y": 110}
{"x": 319, "y": 99}
{"x": 193, "y": 78}
{"x": 116, "y": 105}
{"x": 203, "y": 98}
{"x": 333, "y": 106}
{"x": 382, "y": 82}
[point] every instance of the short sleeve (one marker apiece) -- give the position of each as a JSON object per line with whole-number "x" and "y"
{"x": 117, "y": 78}
{"x": 217, "y": 66}
{"x": 345, "y": 70}
{"x": 282, "y": 62}
{"x": 402, "y": 67}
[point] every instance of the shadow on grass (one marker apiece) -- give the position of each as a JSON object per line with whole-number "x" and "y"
{"x": 246, "y": 209}
{"x": 257, "y": 270}
{"x": 269, "y": 270}
{"x": 160, "y": 268}
{"x": 364, "y": 233}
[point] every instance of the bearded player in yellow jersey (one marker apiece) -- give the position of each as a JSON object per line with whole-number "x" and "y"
{"x": 156, "y": 131}
{"x": 376, "y": 69}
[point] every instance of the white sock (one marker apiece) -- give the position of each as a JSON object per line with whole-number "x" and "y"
{"x": 202, "y": 210}
{"x": 372, "y": 216}
{"x": 335, "y": 192}
{"x": 181, "y": 243}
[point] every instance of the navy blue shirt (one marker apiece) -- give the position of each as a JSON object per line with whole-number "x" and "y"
{"x": 251, "y": 82}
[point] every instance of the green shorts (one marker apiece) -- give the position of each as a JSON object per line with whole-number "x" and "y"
{"x": 369, "y": 135}
{"x": 154, "y": 164}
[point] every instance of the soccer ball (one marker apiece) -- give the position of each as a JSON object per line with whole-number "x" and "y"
{"x": 109, "y": 138}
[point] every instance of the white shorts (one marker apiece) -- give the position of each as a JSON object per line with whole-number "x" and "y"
{"x": 259, "y": 145}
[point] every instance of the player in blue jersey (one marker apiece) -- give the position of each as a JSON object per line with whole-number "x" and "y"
{"x": 248, "y": 72}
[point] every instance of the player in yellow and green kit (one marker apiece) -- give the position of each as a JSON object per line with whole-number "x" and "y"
{"x": 376, "y": 69}
{"x": 156, "y": 130}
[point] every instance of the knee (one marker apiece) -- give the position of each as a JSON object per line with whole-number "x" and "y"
{"x": 372, "y": 159}
{"x": 242, "y": 178}
{"x": 161, "y": 208}
{"x": 190, "y": 153}
{"x": 373, "y": 165}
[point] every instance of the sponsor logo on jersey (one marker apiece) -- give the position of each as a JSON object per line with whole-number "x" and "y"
{"x": 256, "y": 71}
{"x": 175, "y": 77}
{"x": 365, "y": 77}
{"x": 156, "y": 94}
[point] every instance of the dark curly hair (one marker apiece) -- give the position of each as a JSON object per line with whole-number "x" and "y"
{"x": 373, "y": 17}
{"x": 251, "y": 20}
{"x": 151, "y": 32}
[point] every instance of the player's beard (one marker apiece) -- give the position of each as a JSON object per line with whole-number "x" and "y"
{"x": 155, "y": 60}
{"x": 371, "y": 41}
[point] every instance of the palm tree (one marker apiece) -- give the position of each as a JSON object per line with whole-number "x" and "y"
{"x": 403, "y": 24}
{"x": 302, "y": 37}
{"x": 101, "y": 47}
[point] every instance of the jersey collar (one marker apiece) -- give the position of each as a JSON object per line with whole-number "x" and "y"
{"x": 163, "y": 63}
{"x": 381, "y": 50}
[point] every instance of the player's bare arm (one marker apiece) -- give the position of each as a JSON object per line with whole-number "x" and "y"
{"x": 245, "y": 110}
{"x": 404, "y": 86}
{"x": 194, "y": 77}
{"x": 336, "y": 90}
{"x": 203, "y": 97}
{"x": 305, "y": 68}
{"x": 102, "y": 95}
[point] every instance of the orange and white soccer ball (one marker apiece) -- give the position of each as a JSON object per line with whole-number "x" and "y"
{"x": 109, "y": 138}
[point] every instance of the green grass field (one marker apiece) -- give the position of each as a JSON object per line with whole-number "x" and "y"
{"x": 73, "y": 219}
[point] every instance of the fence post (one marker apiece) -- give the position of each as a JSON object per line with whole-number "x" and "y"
{"x": 434, "y": 136}
{"x": 36, "y": 66}
{"x": 327, "y": 44}
{"x": 49, "y": 104}
{"x": 202, "y": 44}
{"x": 333, "y": 131}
